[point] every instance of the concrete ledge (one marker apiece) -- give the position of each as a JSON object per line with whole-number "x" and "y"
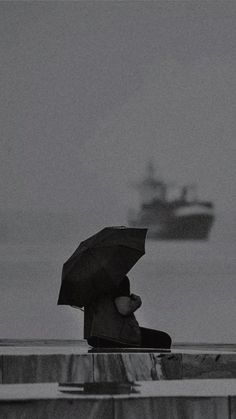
{"x": 34, "y": 364}
{"x": 201, "y": 399}
{"x": 28, "y": 368}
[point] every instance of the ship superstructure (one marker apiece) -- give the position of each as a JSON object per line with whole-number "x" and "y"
{"x": 171, "y": 212}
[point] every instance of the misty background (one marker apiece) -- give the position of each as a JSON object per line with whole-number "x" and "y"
{"x": 90, "y": 91}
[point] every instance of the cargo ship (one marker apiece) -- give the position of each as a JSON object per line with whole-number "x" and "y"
{"x": 171, "y": 212}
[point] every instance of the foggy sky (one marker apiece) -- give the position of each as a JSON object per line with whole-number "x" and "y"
{"x": 91, "y": 90}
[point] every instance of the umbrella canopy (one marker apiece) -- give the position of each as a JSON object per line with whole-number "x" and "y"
{"x": 100, "y": 263}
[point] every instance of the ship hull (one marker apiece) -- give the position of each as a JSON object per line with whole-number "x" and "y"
{"x": 188, "y": 227}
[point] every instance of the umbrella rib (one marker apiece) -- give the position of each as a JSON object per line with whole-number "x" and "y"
{"x": 118, "y": 245}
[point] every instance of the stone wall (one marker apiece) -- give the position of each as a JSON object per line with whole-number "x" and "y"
{"x": 95, "y": 367}
{"x": 187, "y": 399}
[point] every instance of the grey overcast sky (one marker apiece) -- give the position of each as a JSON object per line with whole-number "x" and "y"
{"x": 91, "y": 90}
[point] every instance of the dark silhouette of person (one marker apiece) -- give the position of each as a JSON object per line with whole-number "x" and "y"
{"x": 110, "y": 322}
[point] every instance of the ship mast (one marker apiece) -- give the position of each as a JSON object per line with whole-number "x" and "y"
{"x": 150, "y": 187}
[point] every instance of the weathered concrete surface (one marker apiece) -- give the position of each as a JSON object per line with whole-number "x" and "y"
{"x": 77, "y": 364}
{"x": 57, "y": 409}
{"x": 46, "y": 368}
{"x": 209, "y": 365}
{"x": 1, "y": 366}
{"x": 28, "y": 368}
{"x": 176, "y": 399}
{"x": 135, "y": 366}
{"x": 164, "y": 391}
{"x": 232, "y": 403}
{"x": 173, "y": 407}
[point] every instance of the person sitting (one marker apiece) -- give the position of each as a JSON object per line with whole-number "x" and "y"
{"x": 110, "y": 322}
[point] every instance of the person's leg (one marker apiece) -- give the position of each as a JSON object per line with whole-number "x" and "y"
{"x": 96, "y": 342}
{"x": 152, "y": 338}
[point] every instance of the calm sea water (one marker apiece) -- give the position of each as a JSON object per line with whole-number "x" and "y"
{"x": 187, "y": 288}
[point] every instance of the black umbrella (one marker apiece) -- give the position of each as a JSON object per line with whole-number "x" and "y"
{"x": 100, "y": 263}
